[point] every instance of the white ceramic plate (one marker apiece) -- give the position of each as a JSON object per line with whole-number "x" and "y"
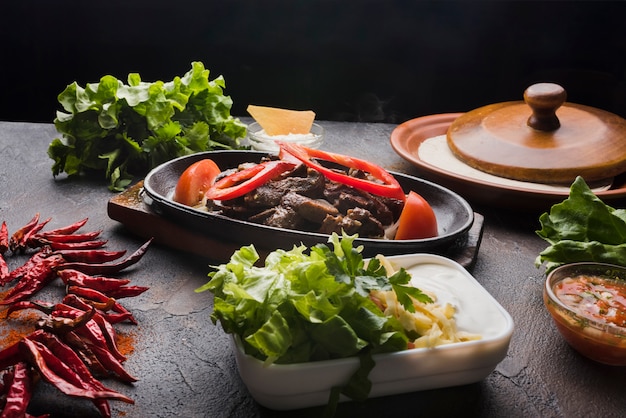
{"x": 303, "y": 385}
{"x": 408, "y": 138}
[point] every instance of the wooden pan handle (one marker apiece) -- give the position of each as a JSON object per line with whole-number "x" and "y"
{"x": 544, "y": 99}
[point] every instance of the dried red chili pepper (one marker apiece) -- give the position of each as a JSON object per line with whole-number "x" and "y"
{"x": 110, "y": 268}
{"x": 48, "y": 237}
{"x": 18, "y": 236}
{"x": 58, "y": 372}
{"x": 33, "y": 280}
{"x": 65, "y": 319}
{"x": 19, "y": 392}
{"x": 109, "y": 334}
{"x": 126, "y": 291}
{"x": 10, "y": 356}
{"x": 4, "y": 247}
{"x": 4, "y": 238}
{"x": 90, "y": 256}
{"x": 78, "y": 278}
{"x": 24, "y": 241}
{"x": 6, "y": 375}
{"x": 69, "y": 229}
{"x": 4, "y": 270}
{"x": 31, "y": 350}
{"x": 44, "y": 307}
{"x": 29, "y": 264}
{"x": 84, "y": 245}
{"x": 105, "y": 306}
{"x": 64, "y": 352}
{"x": 90, "y": 296}
{"x": 81, "y": 348}
{"x": 111, "y": 363}
{"x": 96, "y": 329}
{"x": 111, "y": 287}
{"x": 113, "y": 318}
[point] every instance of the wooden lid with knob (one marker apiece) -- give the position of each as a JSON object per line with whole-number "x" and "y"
{"x": 543, "y": 139}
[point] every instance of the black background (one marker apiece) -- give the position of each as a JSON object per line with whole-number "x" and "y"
{"x": 374, "y": 61}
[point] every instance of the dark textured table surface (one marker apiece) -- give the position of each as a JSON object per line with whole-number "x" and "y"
{"x": 185, "y": 365}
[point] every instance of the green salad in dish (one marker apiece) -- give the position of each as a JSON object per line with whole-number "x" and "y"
{"x": 124, "y": 130}
{"x": 311, "y": 304}
{"x": 582, "y": 228}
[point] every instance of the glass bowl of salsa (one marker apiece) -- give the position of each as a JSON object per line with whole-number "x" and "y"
{"x": 587, "y": 302}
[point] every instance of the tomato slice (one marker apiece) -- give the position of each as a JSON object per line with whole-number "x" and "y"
{"x": 244, "y": 181}
{"x": 417, "y": 219}
{"x": 195, "y": 181}
{"x": 388, "y": 188}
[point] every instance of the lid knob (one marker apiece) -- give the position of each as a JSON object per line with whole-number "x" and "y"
{"x": 544, "y": 99}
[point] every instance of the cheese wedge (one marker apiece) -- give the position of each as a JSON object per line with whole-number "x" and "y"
{"x": 275, "y": 121}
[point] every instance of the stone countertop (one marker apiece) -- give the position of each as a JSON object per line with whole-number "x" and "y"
{"x": 186, "y": 366}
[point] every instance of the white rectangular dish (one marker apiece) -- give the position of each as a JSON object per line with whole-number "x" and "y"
{"x": 293, "y": 386}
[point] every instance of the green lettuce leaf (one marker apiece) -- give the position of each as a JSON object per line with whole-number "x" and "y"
{"x": 582, "y": 228}
{"x": 124, "y": 130}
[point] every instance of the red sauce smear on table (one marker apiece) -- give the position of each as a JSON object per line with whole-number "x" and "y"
{"x": 595, "y": 298}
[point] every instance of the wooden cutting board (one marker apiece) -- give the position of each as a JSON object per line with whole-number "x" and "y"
{"x": 130, "y": 209}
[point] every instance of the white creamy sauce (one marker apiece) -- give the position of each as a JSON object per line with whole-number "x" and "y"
{"x": 475, "y": 311}
{"x": 261, "y": 141}
{"x": 436, "y": 152}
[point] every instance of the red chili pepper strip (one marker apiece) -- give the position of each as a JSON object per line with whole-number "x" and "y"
{"x": 85, "y": 245}
{"x": 246, "y": 180}
{"x": 77, "y": 278}
{"x": 18, "y": 235}
{"x": 389, "y": 188}
{"x": 34, "y": 280}
{"x": 20, "y": 392}
{"x": 90, "y": 256}
{"x": 70, "y": 229}
{"x": 4, "y": 238}
{"x": 100, "y": 268}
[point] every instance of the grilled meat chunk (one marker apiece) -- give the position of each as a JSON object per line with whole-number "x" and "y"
{"x": 314, "y": 210}
{"x": 357, "y": 220}
{"x": 271, "y": 193}
{"x": 305, "y": 200}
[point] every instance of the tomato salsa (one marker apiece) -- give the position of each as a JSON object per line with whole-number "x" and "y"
{"x": 595, "y": 298}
